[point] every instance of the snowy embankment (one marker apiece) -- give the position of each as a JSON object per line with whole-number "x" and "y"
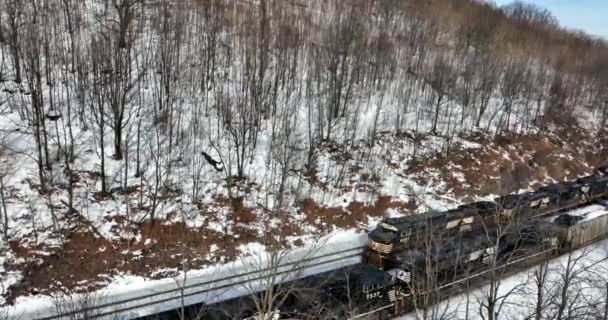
{"x": 131, "y": 297}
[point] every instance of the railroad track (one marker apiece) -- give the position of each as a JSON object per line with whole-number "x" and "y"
{"x": 209, "y": 291}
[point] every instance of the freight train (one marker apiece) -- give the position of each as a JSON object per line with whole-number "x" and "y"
{"x": 394, "y": 235}
{"x": 449, "y": 245}
{"x": 443, "y": 263}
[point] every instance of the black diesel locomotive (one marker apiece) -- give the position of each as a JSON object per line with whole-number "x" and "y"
{"x": 478, "y": 251}
{"x": 395, "y": 235}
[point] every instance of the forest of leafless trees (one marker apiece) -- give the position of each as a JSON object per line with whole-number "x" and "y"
{"x": 157, "y": 90}
{"x": 149, "y": 94}
{"x": 180, "y": 77}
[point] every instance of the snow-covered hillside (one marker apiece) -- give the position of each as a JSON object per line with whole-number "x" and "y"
{"x": 146, "y": 138}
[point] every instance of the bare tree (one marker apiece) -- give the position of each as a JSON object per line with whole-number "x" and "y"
{"x": 276, "y": 270}
{"x": 540, "y": 282}
{"x": 567, "y": 300}
{"x": 119, "y": 68}
{"x": 493, "y": 299}
{"x": 169, "y": 69}
{"x": 341, "y": 61}
{"x": 442, "y": 82}
{"x": 5, "y": 211}
{"x": 155, "y": 171}
{"x": 14, "y": 10}
{"x": 99, "y": 101}
{"x": 33, "y": 70}
{"x": 77, "y": 307}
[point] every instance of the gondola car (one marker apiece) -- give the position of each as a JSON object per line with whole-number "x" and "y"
{"x": 583, "y": 226}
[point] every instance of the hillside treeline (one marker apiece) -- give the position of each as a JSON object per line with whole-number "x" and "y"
{"x": 157, "y": 82}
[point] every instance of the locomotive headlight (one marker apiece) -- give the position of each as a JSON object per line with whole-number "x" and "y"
{"x": 380, "y": 247}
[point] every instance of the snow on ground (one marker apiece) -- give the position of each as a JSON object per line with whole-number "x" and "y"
{"x": 354, "y": 186}
{"x": 372, "y": 165}
{"x": 588, "y": 268}
{"x": 136, "y": 289}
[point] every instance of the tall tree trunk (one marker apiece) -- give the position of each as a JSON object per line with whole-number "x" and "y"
{"x": 102, "y": 145}
{"x": 5, "y": 215}
{"x": 118, "y": 141}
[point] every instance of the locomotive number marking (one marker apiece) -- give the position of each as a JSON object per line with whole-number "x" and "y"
{"x": 373, "y": 295}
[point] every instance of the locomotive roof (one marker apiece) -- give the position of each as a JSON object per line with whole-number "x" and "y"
{"x": 559, "y": 188}
{"x": 592, "y": 179}
{"x": 516, "y": 199}
{"x": 414, "y": 219}
{"x": 379, "y": 234}
{"x": 466, "y": 210}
